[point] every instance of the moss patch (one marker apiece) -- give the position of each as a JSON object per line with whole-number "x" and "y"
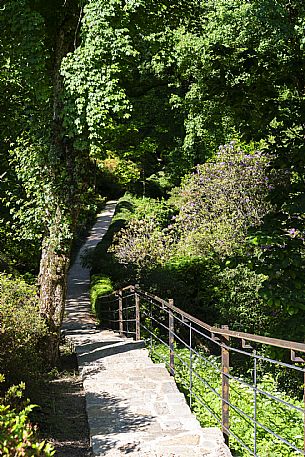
{"x": 100, "y": 285}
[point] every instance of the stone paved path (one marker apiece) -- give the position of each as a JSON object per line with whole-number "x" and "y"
{"x": 134, "y": 407}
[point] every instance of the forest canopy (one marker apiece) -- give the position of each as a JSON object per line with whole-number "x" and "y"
{"x": 196, "y": 108}
{"x": 98, "y": 97}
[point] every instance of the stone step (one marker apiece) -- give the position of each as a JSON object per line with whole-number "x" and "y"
{"x": 134, "y": 407}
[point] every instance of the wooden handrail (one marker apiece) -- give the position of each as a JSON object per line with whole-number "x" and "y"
{"x": 221, "y": 337}
{"x": 284, "y": 344}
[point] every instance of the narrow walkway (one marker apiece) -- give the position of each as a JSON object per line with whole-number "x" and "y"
{"x": 78, "y": 315}
{"x": 134, "y": 407}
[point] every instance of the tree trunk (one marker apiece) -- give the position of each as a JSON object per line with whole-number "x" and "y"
{"x": 57, "y": 242}
{"x": 54, "y": 266}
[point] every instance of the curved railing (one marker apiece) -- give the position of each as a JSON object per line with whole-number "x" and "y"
{"x": 132, "y": 311}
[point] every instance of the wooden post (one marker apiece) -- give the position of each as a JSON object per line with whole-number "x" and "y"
{"x": 121, "y": 325}
{"x": 225, "y": 365}
{"x": 137, "y": 302}
{"x": 171, "y": 326}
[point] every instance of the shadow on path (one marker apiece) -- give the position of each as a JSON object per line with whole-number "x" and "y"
{"x": 112, "y": 420}
{"x": 92, "y": 352}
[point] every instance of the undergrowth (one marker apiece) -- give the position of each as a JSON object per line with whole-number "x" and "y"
{"x": 206, "y": 404}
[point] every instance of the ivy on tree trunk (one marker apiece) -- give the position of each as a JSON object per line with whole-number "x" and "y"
{"x": 57, "y": 241}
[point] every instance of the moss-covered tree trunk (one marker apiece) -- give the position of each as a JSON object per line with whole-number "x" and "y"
{"x": 53, "y": 284}
{"x": 57, "y": 241}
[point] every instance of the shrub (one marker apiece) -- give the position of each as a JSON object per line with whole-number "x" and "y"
{"x": 239, "y": 303}
{"x": 191, "y": 281}
{"x": 18, "y": 438}
{"x": 215, "y": 293}
{"x": 216, "y": 205}
{"x": 100, "y": 285}
{"x": 145, "y": 239}
{"x": 221, "y": 200}
{"x": 22, "y": 331}
{"x": 142, "y": 243}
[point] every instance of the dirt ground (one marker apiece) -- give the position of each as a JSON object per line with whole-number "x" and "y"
{"x": 62, "y": 414}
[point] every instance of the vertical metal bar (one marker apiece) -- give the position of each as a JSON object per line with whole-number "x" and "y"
{"x": 255, "y": 403}
{"x": 171, "y": 327}
{"x": 121, "y": 324}
{"x": 225, "y": 365}
{"x": 304, "y": 411}
{"x": 127, "y": 318}
{"x": 191, "y": 365}
{"x": 137, "y": 302}
{"x": 151, "y": 328}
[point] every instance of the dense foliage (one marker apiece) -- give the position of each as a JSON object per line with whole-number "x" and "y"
{"x": 216, "y": 207}
{"x": 206, "y": 387}
{"x": 104, "y": 96}
{"x": 208, "y": 247}
{"x": 22, "y": 331}
{"x": 200, "y": 250}
{"x": 18, "y": 437}
{"x": 109, "y": 99}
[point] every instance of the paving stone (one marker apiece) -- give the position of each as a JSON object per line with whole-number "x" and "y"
{"x": 174, "y": 397}
{"x": 168, "y": 387}
{"x": 161, "y": 409}
{"x": 170, "y": 424}
{"x": 190, "y": 423}
{"x": 181, "y": 439}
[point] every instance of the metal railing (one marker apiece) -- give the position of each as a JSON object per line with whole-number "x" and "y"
{"x": 134, "y": 312}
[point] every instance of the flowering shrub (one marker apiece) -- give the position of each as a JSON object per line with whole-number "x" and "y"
{"x": 141, "y": 243}
{"x": 217, "y": 205}
{"x": 147, "y": 239}
{"x": 221, "y": 201}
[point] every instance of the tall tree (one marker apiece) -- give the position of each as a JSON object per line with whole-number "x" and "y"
{"x": 48, "y": 171}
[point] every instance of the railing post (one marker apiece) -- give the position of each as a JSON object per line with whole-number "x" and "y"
{"x": 255, "y": 403}
{"x": 171, "y": 326}
{"x": 121, "y": 324}
{"x": 225, "y": 366}
{"x": 304, "y": 410}
{"x": 137, "y": 302}
{"x": 191, "y": 364}
{"x": 151, "y": 327}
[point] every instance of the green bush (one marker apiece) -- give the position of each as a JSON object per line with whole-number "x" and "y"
{"x": 158, "y": 184}
{"x": 215, "y": 293}
{"x": 22, "y": 331}
{"x": 100, "y": 286}
{"x": 192, "y": 282}
{"x": 239, "y": 303}
{"x": 18, "y": 438}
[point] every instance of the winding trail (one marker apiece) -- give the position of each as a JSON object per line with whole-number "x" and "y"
{"x": 78, "y": 315}
{"x": 134, "y": 407}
